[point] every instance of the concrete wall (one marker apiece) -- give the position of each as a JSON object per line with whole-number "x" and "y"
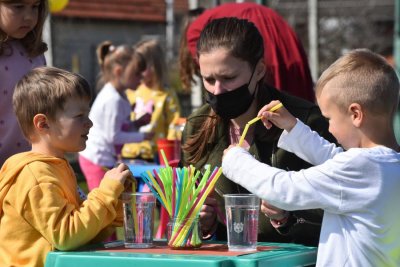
{"x": 75, "y": 41}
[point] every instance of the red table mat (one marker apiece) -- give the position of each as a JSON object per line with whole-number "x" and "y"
{"x": 205, "y": 249}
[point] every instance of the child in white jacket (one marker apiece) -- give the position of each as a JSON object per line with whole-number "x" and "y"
{"x": 357, "y": 188}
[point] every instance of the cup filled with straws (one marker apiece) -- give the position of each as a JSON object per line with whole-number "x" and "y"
{"x": 182, "y": 192}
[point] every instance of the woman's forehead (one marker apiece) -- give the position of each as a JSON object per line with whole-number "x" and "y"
{"x": 221, "y": 61}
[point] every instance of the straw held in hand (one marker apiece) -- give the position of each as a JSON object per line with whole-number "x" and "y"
{"x": 246, "y": 128}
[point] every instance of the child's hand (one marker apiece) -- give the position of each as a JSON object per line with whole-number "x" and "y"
{"x": 226, "y": 150}
{"x": 128, "y": 185}
{"x": 143, "y": 120}
{"x": 119, "y": 173}
{"x": 280, "y": 118}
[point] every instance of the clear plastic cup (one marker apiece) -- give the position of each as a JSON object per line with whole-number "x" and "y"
{"x": 138, "y": 219}
{"x": 242, "y": 221}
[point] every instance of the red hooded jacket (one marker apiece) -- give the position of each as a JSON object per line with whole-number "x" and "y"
{"x": 285, "y": 59}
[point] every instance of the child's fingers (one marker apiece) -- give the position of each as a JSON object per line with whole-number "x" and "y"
{"x": 267, "y": 124}
{"x": 128, "y": 174}
{"x": 121, "y": 166}
{"x": 268, "y": 107}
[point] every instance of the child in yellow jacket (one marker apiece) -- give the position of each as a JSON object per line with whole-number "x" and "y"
{"x": 154, "y": 97}
{"x": 40, "y": 206}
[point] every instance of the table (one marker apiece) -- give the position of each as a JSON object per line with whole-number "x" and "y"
{"x": 279, "y": 255}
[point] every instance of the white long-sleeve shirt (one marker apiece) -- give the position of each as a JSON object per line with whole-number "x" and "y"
{"x": 358, "y": 190}
{"x": 109, "y": 112}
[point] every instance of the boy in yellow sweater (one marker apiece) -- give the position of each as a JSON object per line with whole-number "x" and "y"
{"x": 40, "y": 207}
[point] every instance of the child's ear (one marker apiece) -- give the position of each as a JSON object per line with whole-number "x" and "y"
{"x": 117, "y": 71}
{"x": 40, "y": 122}
{"x": 357, "y": 114}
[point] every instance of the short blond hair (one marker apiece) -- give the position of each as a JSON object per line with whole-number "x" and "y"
{"x": 45, "y": 90}
{"x": 362, "y": 77}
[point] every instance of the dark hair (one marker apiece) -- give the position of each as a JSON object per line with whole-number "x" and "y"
{"x": 33, "y": 41}
{"x": 242, "y": 40}
{"x": 239, "y": 36}
{"x": 46, "y": 89}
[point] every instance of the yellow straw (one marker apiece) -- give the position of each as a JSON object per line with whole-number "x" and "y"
{"x": 246, "y": 128}
{"x": 134, "y": 211}
{"x": 254, "y": 120}
{"x": 276, "y": 107}
{"x": 164, "y": 158}
{"x": 244, "y": 134}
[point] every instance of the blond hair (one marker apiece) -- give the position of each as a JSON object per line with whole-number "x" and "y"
{"x": 362, "y": 77}
{"x": 45, "y": 90}
{"x": 33, "y": 41}
{"x": 155, "y": 59}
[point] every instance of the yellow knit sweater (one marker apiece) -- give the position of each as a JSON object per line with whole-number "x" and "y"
{"x": 40, "y": 209}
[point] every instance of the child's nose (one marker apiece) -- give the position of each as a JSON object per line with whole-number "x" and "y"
{"x": 30, "y": 14}
{"x": 89, "y": 124}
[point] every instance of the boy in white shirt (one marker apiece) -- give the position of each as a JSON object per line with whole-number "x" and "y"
{"x": 357, "y": 188}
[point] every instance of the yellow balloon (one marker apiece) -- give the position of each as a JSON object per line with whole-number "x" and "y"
{"x": 57, "y": 5}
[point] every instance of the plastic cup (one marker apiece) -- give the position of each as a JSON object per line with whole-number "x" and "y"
{"x": 242, "y": 221}
{"x": 138, "y": 219}
{"x": 171, "y": 149}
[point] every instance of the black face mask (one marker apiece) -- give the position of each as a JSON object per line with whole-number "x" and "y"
{"x": 231, "y": 104}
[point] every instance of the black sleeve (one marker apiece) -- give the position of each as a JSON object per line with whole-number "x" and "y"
{"x": 303, "y": 227}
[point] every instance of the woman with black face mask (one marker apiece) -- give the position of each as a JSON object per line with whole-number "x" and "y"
{"x": 230, "y": 55}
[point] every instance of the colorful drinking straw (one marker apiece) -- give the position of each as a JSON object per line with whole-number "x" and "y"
{"x": 182, "y": 191}
{"x": 274, "y": 108}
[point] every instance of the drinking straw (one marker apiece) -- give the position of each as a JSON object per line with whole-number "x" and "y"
{"x": 182, "y": 192}
{"x": 157, "y": 187}
{"x": 197, "y": 192}
{"x": 134, "y": 211}
{"x": 173, "y": 192}
{"x": 151, "y": 186}
{"x": 159, "y": 181}
{"x": 182, "y": 233}
{"x": 164, "y": 158}
{"x": 194, "y": 211}
{"x": 274, "y": 108}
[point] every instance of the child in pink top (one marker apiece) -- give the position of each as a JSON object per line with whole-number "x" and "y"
{"x": 21, "y": 49}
